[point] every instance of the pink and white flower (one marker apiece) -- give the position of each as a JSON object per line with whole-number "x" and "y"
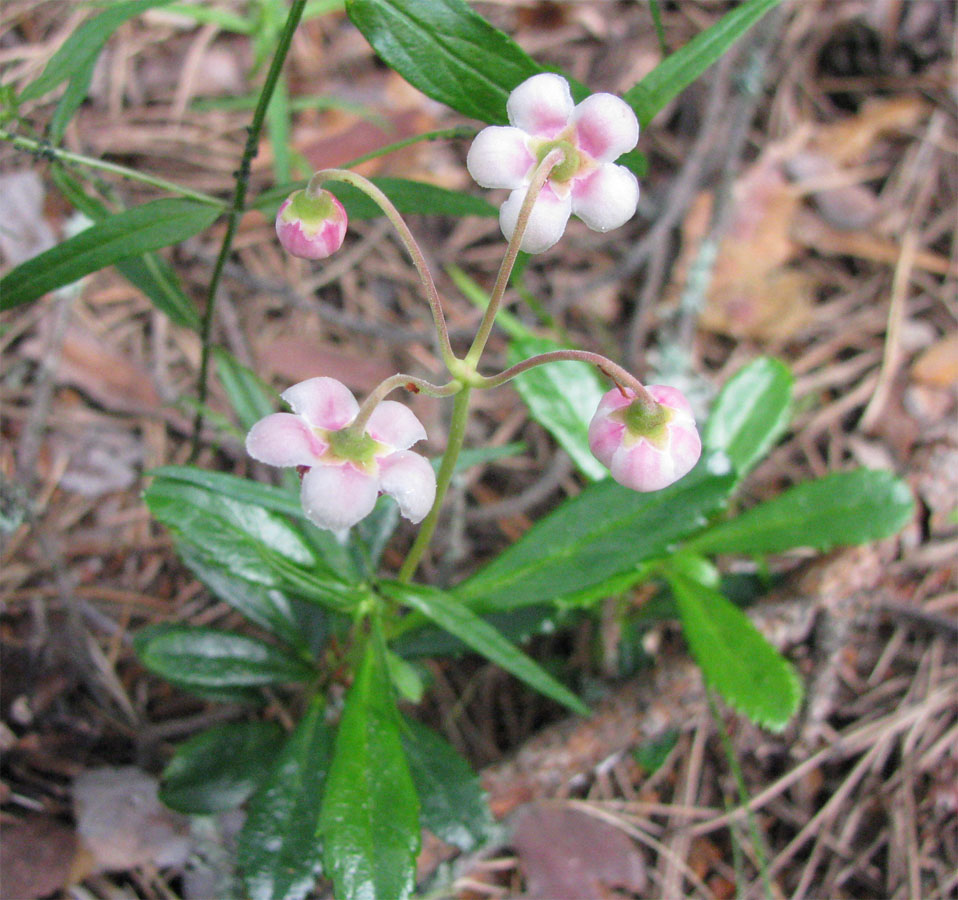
{"x": 646, "y": 446}
{"x": 592, "y": 134}
{"x": 344, "y": 471}
{"x": 311, "y": 225}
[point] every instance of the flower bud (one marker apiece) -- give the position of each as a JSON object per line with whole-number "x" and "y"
{"x": 311, "y": 226}
{"x": 646, "y": 442}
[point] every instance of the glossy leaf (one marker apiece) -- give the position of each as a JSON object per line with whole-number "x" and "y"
{"x": 209, "y": 658}
{"x": 278, "y": 852}
{"x": 751, "y": 413}
{"x": 839, "y": 510}
{"x": 447, "y": 51}
{"x": 267, "y": 607}
{"x": 124, "y": 235}
{"x": 735, "y": 658}
{"x": 676, "y": 72}
{"x": 451, "y": 614}
{"x": 272, "y": 499}
{"x": 149, "y": 273}
{"x": 452, "y": 799}
{"x": 603, "y": 533}
{"x": 369, "y": 822}
{"x": 219, "y": 768}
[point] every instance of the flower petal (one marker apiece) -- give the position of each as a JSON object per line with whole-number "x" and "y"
{"x": 546, "y": 224}
{"x": 541, "y": 105}
{"x": 411, "y": 481}
{"x": 500, "y": 157}
{"x": 396, "y": 425}
{"x": 606, "y": 198}
{"x": 283, "y": 439}
{"x": 323, "y": 402}
{"x": 606, "y": 127}
{"x": 605, "y": 434}
{"x": 337, "y": 497}
{"x": 673, "y": 398}
{"x": 643, "y": 467}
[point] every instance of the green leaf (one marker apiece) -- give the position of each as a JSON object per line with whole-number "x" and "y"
{"x": 249, "y": 396}
{"x": 277, "y": 850}
{"x": 735, "y": 658}
{"x": 127, "y": 234}
{"x": 453, "y": 802}
{"x": 562, "y": 397}
{"x": 409, "y": 197}
{"x": 447, "y": 51}
{"x": 841, "y": 509}
{"x": 209, "y": 658}
{"x": 604, "y": 532}
{"x": 751, "y": 413}
{"x": 264, "y": 606}
{"x": 79, "y": 52}
{"x": 150, "y": 273}
{"x": 219, "y": 768}
{"x": 243, "y": 492}
{"x": 370, "y": 817}
{"x": 676, "y": 72}
{"x": 450, "y": 613}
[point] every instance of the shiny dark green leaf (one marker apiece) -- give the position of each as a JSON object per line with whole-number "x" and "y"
{"x": 132, "y": 233}
{"x": 735, "y": 658}
{"x": 839, "y": 510}
{"x": 453, "y": 804}
{"x": 447, "y": 51}
{"x": 369, "y": 822}
{"x": 278, "y": 851}
{"x": 209, "y": 658}
{"x": 751, "y": 413}
{"x": 604, "y": 533}
{"x": 219, "y": 768}
{"x": 676, "y": 72}
{"x": 451, "y": 614}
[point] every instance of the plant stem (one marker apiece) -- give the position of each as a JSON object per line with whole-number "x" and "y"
{"x": 457, "y": 131}
{"x": 457, "y": 434}
{"x": 410, "y": 382}
{"x": 48, "y": 151}
{"x": 409, "y": 242}
{"x": 613, "y": 371}
{"x": 539, "y": 178}
{"x": 237, "y": 207}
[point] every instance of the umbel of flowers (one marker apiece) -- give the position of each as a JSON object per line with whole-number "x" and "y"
{"x": 557, "y": 159}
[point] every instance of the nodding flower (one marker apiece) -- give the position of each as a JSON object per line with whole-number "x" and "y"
{"x": 311, "y": 225}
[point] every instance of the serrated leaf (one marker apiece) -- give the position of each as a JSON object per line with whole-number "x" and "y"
{"x": 453, "y": 802}
{"x": 841, "y": 509}
{"x": 219, "y": 768}
{"x": 676, "y": 72}
{"x": 603, "y": 533}
{"x": 447, "y": 51}
{"x": 369, "y": 822}
{"x": 278, "y": 852}
{"x": 751, "y": 413}
{"x": 209, "y": 658}
{"x": 736, "y": 659}
{"x": 451, "y": 614}
{"x": 132, "y": 233}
